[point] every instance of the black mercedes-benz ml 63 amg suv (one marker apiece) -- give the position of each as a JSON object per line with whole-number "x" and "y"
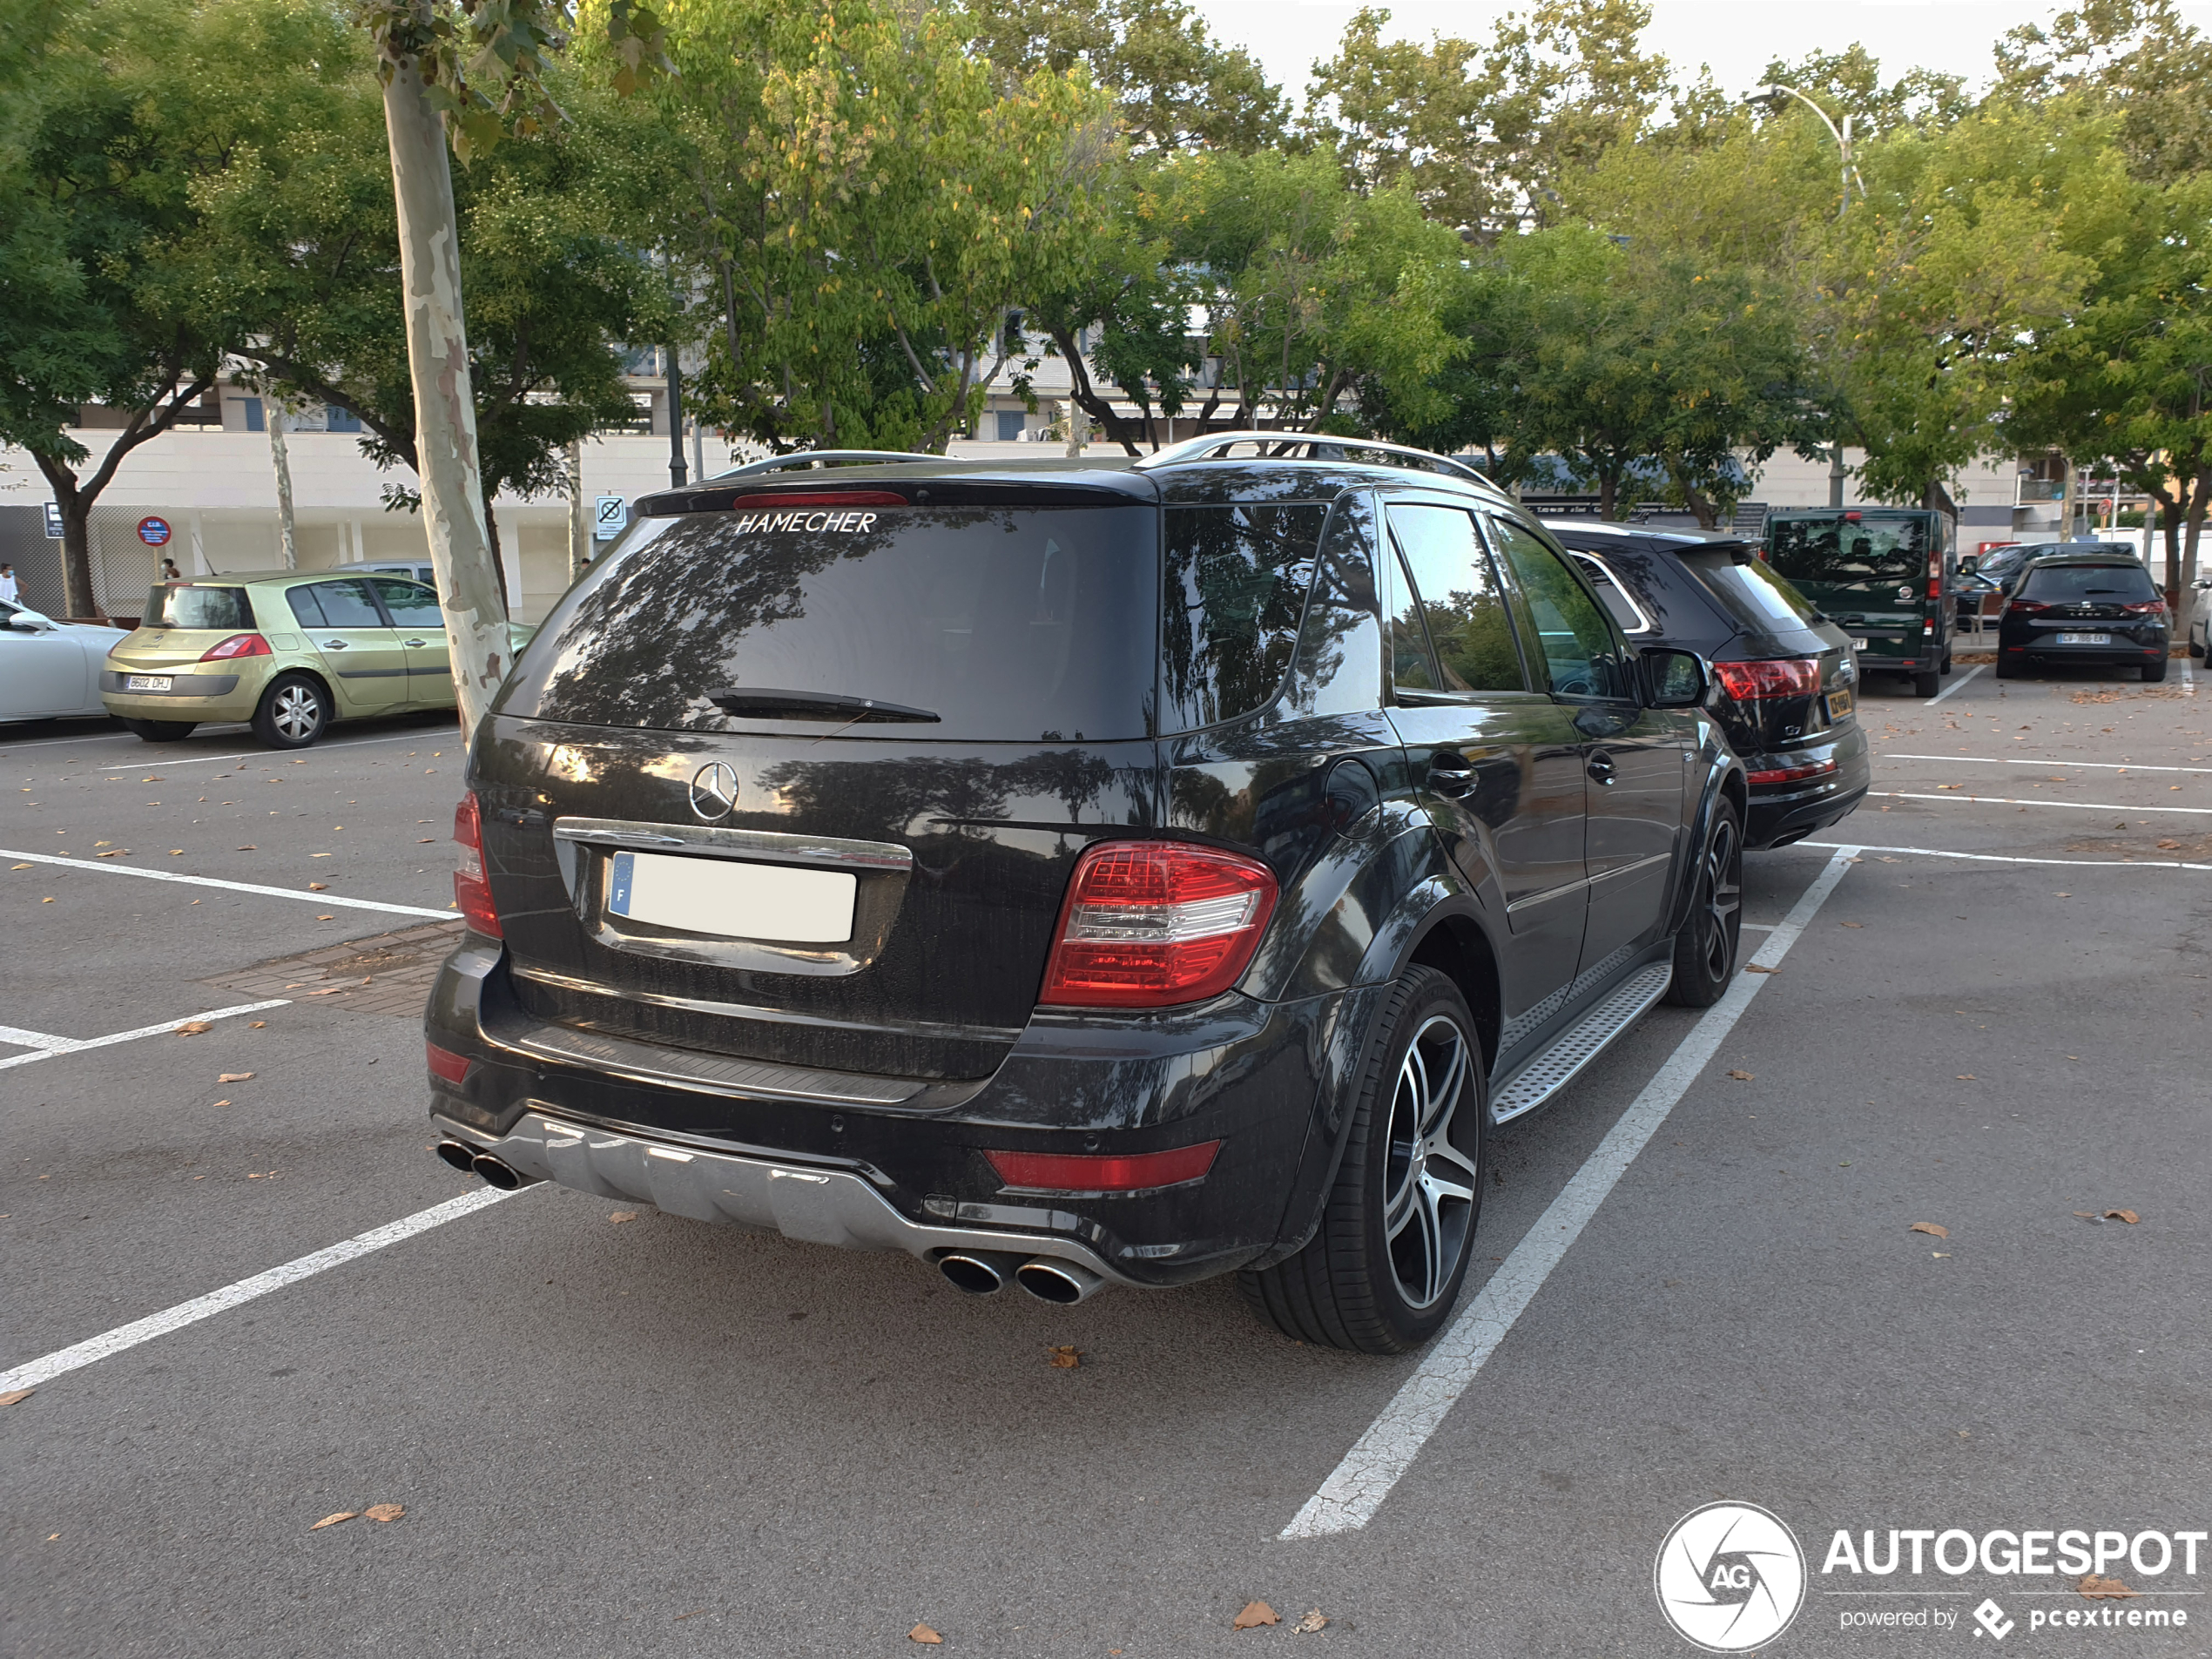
{"x": 1076, "y": 874}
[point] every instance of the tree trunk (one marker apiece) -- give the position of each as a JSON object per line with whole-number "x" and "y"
{"x": 1084, "y": 392}
{"x": 282, "y": 459}
{"x": 2185, "y": 599}
{"x": 445, "y": 412}
{"x": 2069, "y": 501}
{"x": 1609, "y": 493}
{"x": 579, "y": 526}
{"x": 77, "y": 598}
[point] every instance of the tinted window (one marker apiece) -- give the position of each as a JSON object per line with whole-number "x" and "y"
{"x": 2109, "y": 583}
{"x": 302, "y": 601}
{"x": 1339, "y": 669}
{"x": 1458, "y": 598}
{"x": 1625, "y": 610}
{"x": 1751, "y": 592}
{"x": 1235, "y": 589}
{"x": 198, "y": 607}
{"x": 1008, "y": 624}
{"x": 1572, "y": 635}
{"x": 344, "y": 604}
{"x": 1868, "y": 549}
{"x": 412, "y": 604}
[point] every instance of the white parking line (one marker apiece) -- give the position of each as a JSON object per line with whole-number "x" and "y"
{"x": 1956, "y": 685}
{"x": 2009, "y": 800}
{"x": 234, "y": 886}
{"x": 2007, "y": 760}
{"x": 1997, "y": 858}
{"x": 48, "y": 1046}
{"x": 270, "y": 754}
{"x": 36, "y": 1371}
{"x": 1356, "y": 1488}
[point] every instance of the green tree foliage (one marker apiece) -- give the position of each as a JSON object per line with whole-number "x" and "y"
{"x": 2138, "y": 59}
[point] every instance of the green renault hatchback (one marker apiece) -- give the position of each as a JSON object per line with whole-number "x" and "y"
{"x": 288, "y": 651}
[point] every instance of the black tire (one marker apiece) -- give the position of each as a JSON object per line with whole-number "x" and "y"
{"x": 2154, "y": 673}
{"x": 1947, "y": 660}
{"x": 293, "y": 713}
{"x": 2195, "y": 650}
{"x": 1711, "y": 939}
{"x": 1349, "y": 1286}
{"x": 2005, "y": 669}
{"x": 1926, "y": 685}
{"x": 161, "y": 730}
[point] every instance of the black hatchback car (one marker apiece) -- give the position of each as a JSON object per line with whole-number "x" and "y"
{"x": 2097, "y": 608}
{"x": 1785, "y": 679}
{"x": 1073, "y": 875}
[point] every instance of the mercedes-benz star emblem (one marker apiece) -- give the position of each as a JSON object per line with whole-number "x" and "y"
{"x": 714, "y": 791}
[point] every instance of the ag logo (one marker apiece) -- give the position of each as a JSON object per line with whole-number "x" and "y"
{"x": 1730, "y": 1577}
{"x": 714, "y": 790}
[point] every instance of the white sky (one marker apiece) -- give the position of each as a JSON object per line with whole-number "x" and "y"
{"x": 1735, "y": 37}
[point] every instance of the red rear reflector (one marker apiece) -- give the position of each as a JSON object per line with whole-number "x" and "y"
{"x": 236, "y": 645}
{"x": 1770, "y": 677}
{"x": 821, "y": 498}
{"x": 446, "y": 1065}
{"x": 1149, "y": 924}
{"x": 471, "y": 891}
{"x": 1790, "y": 774}
{"x": 1080, "y": 1172}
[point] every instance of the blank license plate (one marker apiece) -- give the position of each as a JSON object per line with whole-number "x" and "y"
{"x": 1838, "y": 705}
{"x": 731, "y": 900}
{"x": 2085, "y": 639}
{"x": 148, "y": 683}
{"x": 1858, "y": 643}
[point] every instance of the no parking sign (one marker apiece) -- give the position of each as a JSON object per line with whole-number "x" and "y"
{"x": 154, "y": 532}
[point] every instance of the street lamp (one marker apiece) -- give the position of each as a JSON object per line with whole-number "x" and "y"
{"x": 1842, "y": 135}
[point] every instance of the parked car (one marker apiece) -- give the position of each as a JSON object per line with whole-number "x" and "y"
{"x": 2084, "y": 608}
{"x": 1076, "y": 874}
{"x": 288, "y": 651}
{"x": 2200, "y": 639}
{"x": 1785, "y": 682}
{"x": 49, "y": 669}
{"x": 1882, "y": 574}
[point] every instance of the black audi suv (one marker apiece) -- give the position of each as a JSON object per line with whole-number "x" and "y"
{"x": 1077, "y": 874}
{"x": 1786, "y": 681}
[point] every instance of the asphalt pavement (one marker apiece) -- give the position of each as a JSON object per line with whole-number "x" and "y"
{"x": 616, "y": 1434}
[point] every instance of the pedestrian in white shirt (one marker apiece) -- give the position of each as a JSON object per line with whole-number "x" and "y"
{"x": 8, "y": 590}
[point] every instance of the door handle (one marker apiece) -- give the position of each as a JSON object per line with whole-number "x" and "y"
{"x": 1601, "y": 768}
{"x": 411, "y": 643}
{"x": 1450, "y": 775}
{"x": 333, "y": 644}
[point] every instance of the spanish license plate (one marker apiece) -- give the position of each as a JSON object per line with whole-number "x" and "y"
{"x": 1839, "y": 705}
{"x": 148, "y": 683}
{"x": 728, "y": 898}
{"x": 1858, "y": 643}
{"x": 2085, "y": 639}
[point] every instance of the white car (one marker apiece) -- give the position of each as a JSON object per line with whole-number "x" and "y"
{"x": 51, "y": 670}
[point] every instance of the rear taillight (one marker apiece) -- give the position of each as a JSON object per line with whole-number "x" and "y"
{"x": 446, "y": 1066}
{"x": 1149, "y": 924}
{"x": 1790, "y": 774}
{"x": 820, "y": 498}
{"x": 1081, "y": 1172}
{"x": 236, "y": 645}
{"x": 2149, "y": 607}
{"x": 1770, "y": 677}
{"x": 2026, "y": 607}
{"x": 471, "y": 893}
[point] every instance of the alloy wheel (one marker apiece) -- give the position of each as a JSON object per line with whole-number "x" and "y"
{"x": 298, "y": 712}
{"x": 1429, "y": 1184}
{"x": 1724, "y": 898}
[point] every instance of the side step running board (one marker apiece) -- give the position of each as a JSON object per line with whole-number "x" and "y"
{"x": 1555, "y": 1068}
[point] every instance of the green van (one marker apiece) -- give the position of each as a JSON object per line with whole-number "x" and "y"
{"x": 1882, "y": 574}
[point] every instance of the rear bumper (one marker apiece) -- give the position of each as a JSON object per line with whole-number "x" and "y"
{"x": 899, "y": 1163}
{"x": 2045, "y": 654}
{"x": 1786, "y": 811}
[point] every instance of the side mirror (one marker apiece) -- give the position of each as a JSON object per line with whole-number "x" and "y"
{"x": 1673, "y": 679}
{"x": 1970, "y": 566}
{"x": 30, "y": 622}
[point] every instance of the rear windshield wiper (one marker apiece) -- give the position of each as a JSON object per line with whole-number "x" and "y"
{"x": 813, "y": 705}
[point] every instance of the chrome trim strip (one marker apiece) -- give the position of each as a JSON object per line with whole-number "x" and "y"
{"x": 1589, "y": 1037}
{"x": 764, "y": 847}
{"x": 644, "y": 1063}
{"x": 1546, "y": 896}
{"x": 814, "y": 1205}
{"x": 1630, "y": 869}
{"x": 774, "y": 1016}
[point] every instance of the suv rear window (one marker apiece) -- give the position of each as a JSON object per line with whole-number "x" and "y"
{"x": 1863, "y": 550}
{"x": 1752, "y": 594}
{"x": 191, "y": 606}
{"x": 2059, "y": 583}
{"x": 1010, "y": 624}
{"x": 1236, "y": 580}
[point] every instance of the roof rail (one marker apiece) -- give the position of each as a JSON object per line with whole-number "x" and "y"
{"x": 1279, "y": 445}
{"x": 804, "y": 459}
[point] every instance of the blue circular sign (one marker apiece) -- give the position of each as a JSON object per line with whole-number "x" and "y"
{"x": 154, "y": 532}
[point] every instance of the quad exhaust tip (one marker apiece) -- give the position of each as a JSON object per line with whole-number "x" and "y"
{"x": 977, "y": 1271}
{"x": 459, "y": 1154}
{"x": 1061, "y": 1283}
{"x": 496, "y": 1171}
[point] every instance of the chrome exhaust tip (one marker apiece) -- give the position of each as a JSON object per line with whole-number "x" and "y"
{"x": 1061, "y": 1283}
{"x": 459, "y": 1154}
{"x": 974, "y": 1271}
{"x": 505, "y": 1176}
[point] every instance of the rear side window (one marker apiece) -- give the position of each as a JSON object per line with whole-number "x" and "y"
{"x": 1626, "y": 610}
{"x": 1235, "y": 581}
{"x": 1339, "y": 669}
{"x": 199, "y": 607}
{"x": 412, "y": 604}
{"x": 1862, "y": 549}
{"x": 1751, "y": 592}
{"x": 347, "y": 603}
{"x": 1008, "y": 624}
{"x": 2111, "y": 583}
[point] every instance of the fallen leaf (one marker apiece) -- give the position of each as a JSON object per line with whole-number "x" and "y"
{"x": 927, "y": 1636}
{"x": 1063, "y": 1358}
{"x": 15, "y": 1394}
{"x": 1967, "y": 1077}
{"x": 119, "y": 851}
{"x": 329, "y": 990}
{"x": 248, "y": 848}
{"x": 321, "y": 855}
{"x": 1314, "y": 1621}
{"x": 45, "y": 901}
{"x": 326, "y": 918}
{"x": 623, "y": 1215}
{"x": 2103, "y": 1589}
{"x": 255, "y": 1025}
{"x": 2086, "y": 1215}
{"x": 2169, "y": 846}
{"x": 2128, "y": 1216}
{"x": 1930, "y": 1228}
{"x": 1255, "y": 1615}
{"x": 219, "y": 1103}
{"x": 234, "y": 1076}
{"x": 385, "y": 1512}
{"x": 318, "y": 886}
{"x": 22, "y": 866}
{"x": 425, "y": 841}
{"x": 1743, "y": 1076}
{"x": 1850, "y": 924}
{"x": 1754, "y": 968}
{"x": 194, "y": 1028}
{"x": 332, "y": 1520}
